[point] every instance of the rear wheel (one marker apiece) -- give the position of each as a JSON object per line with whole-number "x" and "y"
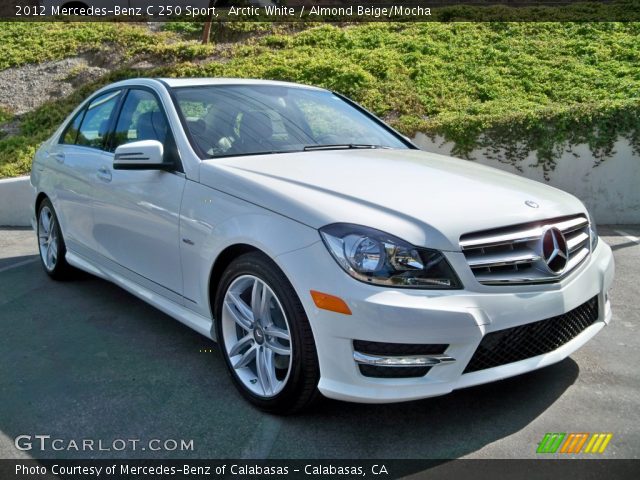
{"x": 265, "y": 336}
{"x": 50, "y": 242}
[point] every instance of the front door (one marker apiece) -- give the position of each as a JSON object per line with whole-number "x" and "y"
{"x": 136, "y": 212}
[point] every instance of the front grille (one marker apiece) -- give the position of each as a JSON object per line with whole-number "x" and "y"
{"x": 533, "y": 339}
{"x": 385, "y": 349}
{"x": 513, "y": 255}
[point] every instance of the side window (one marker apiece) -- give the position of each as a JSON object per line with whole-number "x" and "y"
{"x": 95, "y": 124}
{"x": 212, "y": 122}
{"x": 71, "y": 133}
{"x": 141, "y": 118}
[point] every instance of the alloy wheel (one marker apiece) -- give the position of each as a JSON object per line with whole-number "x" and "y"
{"x": 257, "y": 336}
{"x": 48, "y": 238}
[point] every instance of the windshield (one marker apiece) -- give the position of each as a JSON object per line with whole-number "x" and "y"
{"x": 225, "y": 120}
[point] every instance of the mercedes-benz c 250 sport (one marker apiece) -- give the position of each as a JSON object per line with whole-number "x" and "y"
{"x": 323, "y": 251}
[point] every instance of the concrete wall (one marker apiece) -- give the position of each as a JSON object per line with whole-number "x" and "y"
{"x": 16, "y": 202}
{"x": 611, "y": 190}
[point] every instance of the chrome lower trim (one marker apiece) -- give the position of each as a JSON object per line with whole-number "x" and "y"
{"x": 408, "y": 361}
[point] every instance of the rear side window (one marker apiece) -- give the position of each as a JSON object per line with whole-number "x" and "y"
{"x": 95, "y": 124}
{"x": 71, "y": 133}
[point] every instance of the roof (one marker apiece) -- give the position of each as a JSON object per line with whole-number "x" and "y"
{"x": 192, "y": 82}
{"x": 195, "y": 82}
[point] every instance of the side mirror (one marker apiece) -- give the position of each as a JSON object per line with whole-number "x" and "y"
{"x": 142, "y": 155}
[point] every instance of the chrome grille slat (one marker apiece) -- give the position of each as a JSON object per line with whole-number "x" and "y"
{"x": 571, "y": 225}
{"x": 496, "y": 259}
{"x": 577, "y": 241}
{"x": 512, "y": 255}
{"x": 502, "y": 239}
{"x": 576, "y": 234}
{"x": 577, "y": 258}
{"x": 520, "y": 279}
{"x": 571, "y": 230}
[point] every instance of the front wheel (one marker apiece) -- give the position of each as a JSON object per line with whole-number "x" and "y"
{"x": 265, "y": 336}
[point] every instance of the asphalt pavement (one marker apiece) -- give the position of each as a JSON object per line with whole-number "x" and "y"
{"x": 84, "y": 359}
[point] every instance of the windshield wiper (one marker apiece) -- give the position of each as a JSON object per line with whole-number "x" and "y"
{"x": 247, "y": 154}
{"x": 340, "y": 146}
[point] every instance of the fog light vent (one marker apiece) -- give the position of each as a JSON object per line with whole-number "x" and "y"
{"x": 398, "y": 360}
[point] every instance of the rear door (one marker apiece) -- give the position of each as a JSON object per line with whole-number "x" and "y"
{"x": 75, "y": 161}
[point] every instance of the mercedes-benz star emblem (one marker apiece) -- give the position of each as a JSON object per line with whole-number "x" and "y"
{"x": 554, "y": 250}
{"x": 531, "y": 203}
{"x": 258, "y": 336}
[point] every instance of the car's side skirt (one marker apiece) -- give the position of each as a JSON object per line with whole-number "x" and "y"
{"x": 197, "y": 322}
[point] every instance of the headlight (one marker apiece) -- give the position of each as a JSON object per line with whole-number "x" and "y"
{"x": 376, "y": 257}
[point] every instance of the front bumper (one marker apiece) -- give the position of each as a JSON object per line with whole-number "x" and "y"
{"x": 458, "y": 318}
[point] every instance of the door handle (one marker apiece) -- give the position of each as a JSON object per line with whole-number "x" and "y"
{"x": 104, "y": 174}
{"x": 59, "y": 156}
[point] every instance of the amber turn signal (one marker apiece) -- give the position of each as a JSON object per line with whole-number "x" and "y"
{"x": 330, "y": 302}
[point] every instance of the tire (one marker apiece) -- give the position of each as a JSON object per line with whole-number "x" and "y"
{"x": 51, "y": 244}
{"x": 268, "y": 378}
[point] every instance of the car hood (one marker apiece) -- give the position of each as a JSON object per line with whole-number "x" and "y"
{"x": 427, "y": 199}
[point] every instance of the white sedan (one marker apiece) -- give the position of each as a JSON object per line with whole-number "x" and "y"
{"x": 320, "y": 248}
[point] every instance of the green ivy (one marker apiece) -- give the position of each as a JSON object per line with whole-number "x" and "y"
{"x": 16, "y": 151}
{"x": 507, "y": 89}
{"x": 549, "y": 134}
{"x": 36, "y": 42}
{"x": 5, "y": 115}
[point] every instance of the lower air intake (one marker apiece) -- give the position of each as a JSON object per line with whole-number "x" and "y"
{"x": 533, "y": 339}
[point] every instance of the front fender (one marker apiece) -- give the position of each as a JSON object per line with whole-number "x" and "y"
{"x": 211, "y": 221}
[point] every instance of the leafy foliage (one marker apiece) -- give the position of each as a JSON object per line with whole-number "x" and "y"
{"x": 228, "y": 31}
{"x": 511, "y": 88}
{"x": 16, "y": 151}
{"x": 507, "y": 88}
{"x": 5, "y": 115}
{"x": 36, "y": 42}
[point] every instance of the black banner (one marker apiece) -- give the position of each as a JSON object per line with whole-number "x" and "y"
{"x": 320, "y": 10}
{"x": 329, "y": 469}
